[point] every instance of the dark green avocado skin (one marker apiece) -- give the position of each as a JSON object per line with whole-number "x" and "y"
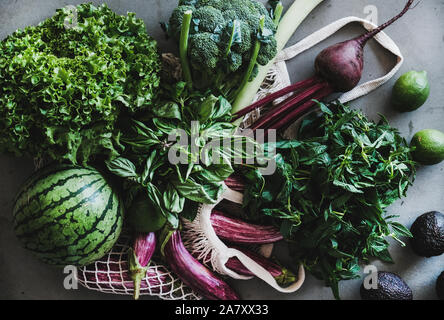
{"x": 390, "y": 287}
{"x": 428, "y": 234}
{"x": 440, "y": 286}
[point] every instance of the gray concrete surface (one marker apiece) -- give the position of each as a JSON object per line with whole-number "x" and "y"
{"x": 420, "y": 35}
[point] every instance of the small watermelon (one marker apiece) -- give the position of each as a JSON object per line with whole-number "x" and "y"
{"x": 68, "y": 215}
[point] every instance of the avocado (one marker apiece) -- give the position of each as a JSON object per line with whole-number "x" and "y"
{"x": 428, "y": 234}
{"x": 390, "y": 287}
{"x": 440, "y": 286}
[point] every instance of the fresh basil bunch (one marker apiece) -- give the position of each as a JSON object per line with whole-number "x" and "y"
{"x": 153, "y": 150}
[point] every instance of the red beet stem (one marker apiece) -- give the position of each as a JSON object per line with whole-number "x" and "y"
{"x": 276, "y": 113}
{"x": 362, "y": 40}
{"x": 276, "y": 95}
{"x": 299, "y": 111}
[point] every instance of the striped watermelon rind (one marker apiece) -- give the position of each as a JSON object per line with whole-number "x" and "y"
{"x": 68, "y": 215}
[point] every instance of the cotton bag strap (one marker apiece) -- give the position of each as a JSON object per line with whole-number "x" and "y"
{"x": 382, "y": 38}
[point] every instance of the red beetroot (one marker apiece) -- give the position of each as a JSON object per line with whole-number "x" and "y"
{"x": 338, "y": 69}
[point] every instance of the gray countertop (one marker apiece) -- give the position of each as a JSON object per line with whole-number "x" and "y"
{"x": 420, "y": 36}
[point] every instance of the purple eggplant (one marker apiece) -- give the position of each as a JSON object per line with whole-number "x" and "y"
{"x": 238, "y": 231}
{"x": 139, "y": 258}
{"x": 193, "y": 273}
{"x": 282, "y": 275}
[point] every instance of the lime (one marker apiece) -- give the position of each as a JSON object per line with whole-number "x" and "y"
{"x": 429, "y": 146}
{"x": 143, "y": 216}
{"x": 411, "y": 91}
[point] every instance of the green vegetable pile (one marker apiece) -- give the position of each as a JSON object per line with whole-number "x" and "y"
{"x": 204, "y": 121}
{"x": 62, "y": 89}
{"x": 331, "y": 190}
{"x": 227, "y": 40}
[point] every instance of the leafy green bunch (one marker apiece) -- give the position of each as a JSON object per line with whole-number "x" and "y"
{"x": 225, "y": 41}
{"x": 64, "y": 82}
{"x": 181, "y": 152}
{"x": 331, "y": 190}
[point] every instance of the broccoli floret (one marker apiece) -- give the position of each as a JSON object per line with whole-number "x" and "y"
{"x": 241, "y": 44}
{"x": 267, "y": 52}
{"x": 204, "y": 51}
{"x": 187, "y": 2}
{"x": 176, "y": 20}
{"x": 218, "y": 4}
{"x": 230, "y": 15}
{"x": 208, "y": 19}
{"x": 269, "y": 24}
{"x": 247, "y": 12}
{"x": 235, "y": 61}
{"x": 260, "y": 8}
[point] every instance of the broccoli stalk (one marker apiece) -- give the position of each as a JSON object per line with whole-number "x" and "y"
{"x": 183, "y": 47}
{"x": 277, "y": 13}
{"x": 236, "y": 26}
{"x": 252, "y": 64}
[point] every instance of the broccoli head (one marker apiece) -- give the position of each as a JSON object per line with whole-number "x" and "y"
{"x": 223, "y": 37}
{"x": 176, "y": 20}
{"x": 208, "y": 19}
{"x": 203, "y": 51}
{"x": 267, "y": 52}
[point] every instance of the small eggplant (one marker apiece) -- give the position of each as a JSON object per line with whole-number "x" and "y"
{"x": 193, "y": 273}
{"x": 238, "y": 231}
{"x": 139, "y": 258}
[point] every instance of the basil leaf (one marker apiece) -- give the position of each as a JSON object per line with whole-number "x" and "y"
{"x": 169, "y": 110}
{"x": 122, "y": 167}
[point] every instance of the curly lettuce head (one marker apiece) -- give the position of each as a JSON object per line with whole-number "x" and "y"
{"x": 64, "y": 82}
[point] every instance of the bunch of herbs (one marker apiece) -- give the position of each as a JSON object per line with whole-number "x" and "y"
{"x": 181, "y": 152}
{"x": 331, "y": 189}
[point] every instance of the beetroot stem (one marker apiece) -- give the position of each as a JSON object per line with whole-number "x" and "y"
{"x": 277, "y": 113}
{"x": 299, "y": 111}
{"x": 276, "y": 95}
{"x": 369, "y": 35}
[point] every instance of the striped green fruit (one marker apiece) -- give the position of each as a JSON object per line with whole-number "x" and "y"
{"x": 68, "y": 215}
